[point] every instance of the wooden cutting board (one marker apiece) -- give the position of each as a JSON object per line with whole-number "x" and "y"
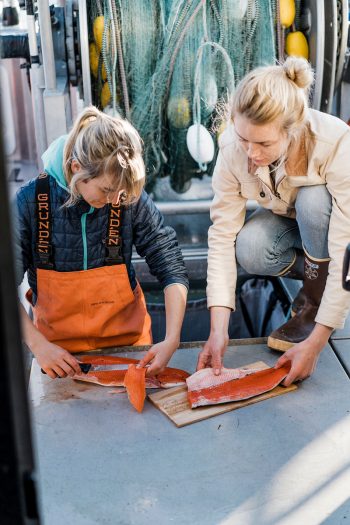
{"x": 174, "y": 404}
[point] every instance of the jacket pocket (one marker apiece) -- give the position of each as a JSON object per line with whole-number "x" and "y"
{"x": 255, "y": 190}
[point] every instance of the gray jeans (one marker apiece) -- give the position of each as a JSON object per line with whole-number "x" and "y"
{"x": 266, "y": 244}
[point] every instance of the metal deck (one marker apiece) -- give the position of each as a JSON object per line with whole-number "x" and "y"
{"x": 282, "y": 461}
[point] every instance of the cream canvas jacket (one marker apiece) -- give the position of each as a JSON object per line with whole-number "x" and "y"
{"x": 323, "y": 157}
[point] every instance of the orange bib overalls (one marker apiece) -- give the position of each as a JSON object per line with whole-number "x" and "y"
{"x": 88, "y": 309}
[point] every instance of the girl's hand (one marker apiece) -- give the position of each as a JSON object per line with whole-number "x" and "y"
{"x": 213, "y": 352}
{"x": 303, "y": 358}
{"x": 56, "y": 361}
{"x": 159, "y": 356}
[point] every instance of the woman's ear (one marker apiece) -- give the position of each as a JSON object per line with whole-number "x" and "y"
{"x": 75, "y": 166}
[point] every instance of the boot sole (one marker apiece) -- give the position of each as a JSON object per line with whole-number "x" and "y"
{"x": 278, "y": 344}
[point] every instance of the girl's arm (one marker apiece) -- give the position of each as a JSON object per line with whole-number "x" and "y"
{"x": 160, "y": 353}
{"x": 157, "y": 244}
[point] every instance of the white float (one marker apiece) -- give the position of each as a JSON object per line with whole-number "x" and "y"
{"x": 200, "y": 144}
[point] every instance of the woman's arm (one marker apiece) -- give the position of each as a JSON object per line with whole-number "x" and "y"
{"x": 227, "y": 213}
{"x": 160, "y": 353}
{"x": 335, "y": 302}
{"x": 54, "y": 360}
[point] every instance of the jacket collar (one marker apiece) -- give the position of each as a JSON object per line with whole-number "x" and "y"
{"x": 297, "y": 163}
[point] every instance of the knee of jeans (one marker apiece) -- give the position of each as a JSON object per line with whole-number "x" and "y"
{"x": 250, "y": 253}
{"x": 314, "y": 205}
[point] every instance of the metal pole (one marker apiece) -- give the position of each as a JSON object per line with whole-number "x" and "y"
{"x": 192, "y": 207}
{"x": 84, "y": 51}
{"x": 47, "y": 44}
{"x": 37, "y": 82}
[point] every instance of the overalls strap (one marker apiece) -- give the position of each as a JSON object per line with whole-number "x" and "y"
{"x": 43, "y": 245}
{"x": 114, "y": 253}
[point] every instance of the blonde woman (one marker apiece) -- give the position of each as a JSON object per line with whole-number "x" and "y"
{"x": 77, "y": 224}
{"x": 294, "y": 161}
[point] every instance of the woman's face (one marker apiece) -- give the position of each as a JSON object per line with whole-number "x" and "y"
{"x": 97, "y": 191}
{"x": 263, "y": 143}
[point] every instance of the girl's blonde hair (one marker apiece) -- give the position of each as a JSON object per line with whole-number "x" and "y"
{"x": 278, "y": 92}
{"x": 102, "y": 144}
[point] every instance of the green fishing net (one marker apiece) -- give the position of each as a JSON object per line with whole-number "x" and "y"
{"x": 167, "y": 64}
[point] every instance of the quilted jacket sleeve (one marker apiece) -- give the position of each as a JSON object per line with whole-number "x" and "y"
{"x": 157, "y": 243}
{"x": 22, "y": 235}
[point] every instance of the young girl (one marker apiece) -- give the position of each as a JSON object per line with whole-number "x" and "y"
{"x": 77, "y": 224}
{"x": 294, "y": 161}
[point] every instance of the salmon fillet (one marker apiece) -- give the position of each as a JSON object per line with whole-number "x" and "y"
{"x": 135, "y": 384}
{"x": 168, "y": 378}
{"x": 133, "y": 379}
{"x": 235, "y": 384}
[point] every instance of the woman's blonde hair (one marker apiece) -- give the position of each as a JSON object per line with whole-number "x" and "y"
{"x": 276, "y": 92}
{"x": 102, "y": 144}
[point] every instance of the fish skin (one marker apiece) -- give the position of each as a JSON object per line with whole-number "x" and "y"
{"x": 247, "y": 384}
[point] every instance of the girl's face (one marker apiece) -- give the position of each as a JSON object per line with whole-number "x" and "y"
{"x": 263, "y": 143}
{"x": 97, "y": 191}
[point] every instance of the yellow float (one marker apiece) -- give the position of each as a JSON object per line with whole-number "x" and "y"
{"x": 287, "y": 12}
{"x": 179, "y": 112}
{"x": 98, "y": 28}
{"x": 296, "y": 45}
{"x": 94, "y": 60}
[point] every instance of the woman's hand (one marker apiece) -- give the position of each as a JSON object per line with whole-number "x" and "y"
{"x": 56, "y": 361}
{"x": 304, "y": 356}
{"x": 214, "y": 349}
{"x": 213, "y": 352}
{"x": 303, "y": 362}
{"x": 158, "y": 355}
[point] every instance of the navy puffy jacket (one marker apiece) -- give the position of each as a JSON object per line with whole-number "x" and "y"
{"x": 78, "y": 233}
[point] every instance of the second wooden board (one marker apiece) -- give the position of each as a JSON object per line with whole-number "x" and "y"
{"x": 174, "y": 404}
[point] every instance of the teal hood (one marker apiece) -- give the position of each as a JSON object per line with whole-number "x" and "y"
{"x": 53, "y": 160}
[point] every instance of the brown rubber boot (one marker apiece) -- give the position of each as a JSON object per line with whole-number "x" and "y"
{"x": 296, "y": 270}
{"x": 298, "y": 302}
{"x": 301, "y": 325}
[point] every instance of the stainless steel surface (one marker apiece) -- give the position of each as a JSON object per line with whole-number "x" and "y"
{"x": 84, "y": 52}
{"x": 283, "y": 461}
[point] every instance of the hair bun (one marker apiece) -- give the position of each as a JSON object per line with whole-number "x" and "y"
{"x": 299, "y": 71}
